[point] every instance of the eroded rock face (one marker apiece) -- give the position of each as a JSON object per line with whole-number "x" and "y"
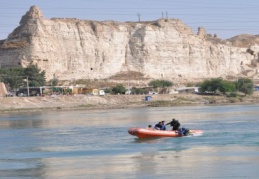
{"x": 80, "y": 49}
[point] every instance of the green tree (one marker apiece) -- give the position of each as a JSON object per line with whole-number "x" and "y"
{"x": 13, "y": 77}
{"x": 35, "y": 75}
{"x": 154, "y": 83}
{"x": 160, "y": 83}
{"x": 54, "y": 82}
{"x": 210, "y": 85}
{"x": 245, "y": 85}
{"x": 119, "y": 89}
{"x": 227, "y": 86}
{"x": 217, "y": 85}
{"x": 107, "y": 90}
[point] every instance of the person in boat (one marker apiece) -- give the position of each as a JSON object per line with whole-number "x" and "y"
{"x": 163, "y": 126}
{"x": 183, "y": 131}
{"x": 158, "y": 126}
{"x": 150, "y": 127}
{"x": 175, "y": 124}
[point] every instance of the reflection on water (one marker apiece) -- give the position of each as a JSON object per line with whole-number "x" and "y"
{"x": 148, "y": 140}
{"x": 96, "y": 144}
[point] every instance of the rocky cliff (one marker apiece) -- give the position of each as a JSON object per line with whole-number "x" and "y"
{"x": 84, "y": 49}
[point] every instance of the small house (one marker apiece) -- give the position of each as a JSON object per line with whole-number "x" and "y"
{"x": 188, "y": 90}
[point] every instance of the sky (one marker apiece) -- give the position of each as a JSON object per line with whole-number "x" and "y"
{"x": 226, "y": 18}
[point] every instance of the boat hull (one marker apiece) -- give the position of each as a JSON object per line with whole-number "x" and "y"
{"x": 147, "y": 133}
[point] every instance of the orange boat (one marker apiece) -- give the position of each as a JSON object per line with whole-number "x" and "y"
{"x": 150, "y": 133}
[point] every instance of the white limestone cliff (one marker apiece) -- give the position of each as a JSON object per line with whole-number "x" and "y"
{"x": 84, "y": 49}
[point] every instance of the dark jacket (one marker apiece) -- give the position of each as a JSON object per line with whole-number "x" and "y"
{"x": 158, "y": 126}
{"x": 175, "y": 124}
{"x": 163, "y": 127}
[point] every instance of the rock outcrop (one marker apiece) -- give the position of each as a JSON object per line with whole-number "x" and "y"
{"x": 84, "y": 49}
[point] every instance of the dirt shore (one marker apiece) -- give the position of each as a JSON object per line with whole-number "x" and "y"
{"x": 78, "y": 102}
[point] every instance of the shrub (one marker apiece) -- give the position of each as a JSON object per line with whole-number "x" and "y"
{"x": 160, "y": 83}
{"x": 232, "y": 94}
{"x": 119, "y": 89}
{"x": 245, "y": 85}
{"x": 217, "y": 84}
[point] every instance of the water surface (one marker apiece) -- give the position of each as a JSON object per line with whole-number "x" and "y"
{"x": 95, "y": 144}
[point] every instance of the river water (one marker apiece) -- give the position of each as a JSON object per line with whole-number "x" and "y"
{"x": 95, "y": 144}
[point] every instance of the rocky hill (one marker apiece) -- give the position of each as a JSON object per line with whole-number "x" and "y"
{"x": 166, "y": 48}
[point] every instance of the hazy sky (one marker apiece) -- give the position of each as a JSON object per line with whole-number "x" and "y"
{"x": 226, "y": 18}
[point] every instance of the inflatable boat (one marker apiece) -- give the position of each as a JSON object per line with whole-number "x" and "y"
{"x": 152, "y": 133}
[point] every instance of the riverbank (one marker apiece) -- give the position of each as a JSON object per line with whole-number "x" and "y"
{"x": 78, "y": 102}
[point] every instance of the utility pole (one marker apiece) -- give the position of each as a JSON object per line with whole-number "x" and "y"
{"x": 128, "y": 85}
{"x": 139, "y": 17}
{"x": 28, "y": 91}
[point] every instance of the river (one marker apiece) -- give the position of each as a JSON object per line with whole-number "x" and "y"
{"x": 95, "y": 144}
